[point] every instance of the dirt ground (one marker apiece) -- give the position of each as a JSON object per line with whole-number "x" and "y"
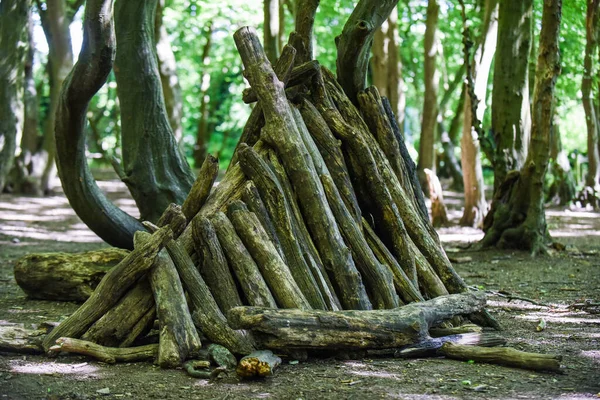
{"x": 47, "y": 224}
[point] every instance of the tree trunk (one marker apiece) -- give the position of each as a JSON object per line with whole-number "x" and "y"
{"x": 29, "y": 164}
{"x": 157, "y": 174}
{"x": 562, "y": 190}
{"x": 396, "y": 91}
{"x": 475, "y": 204}
{"x": 354, "y": 44}
{"x": 167, "y": 68}
{"x": 592, "y": 179}
{"x": 202, "y": 133}
{"x": 430, "y": 103}
{"x": 13, "y": 41}
{"x": 511, "y": 118}
{"x": 518, "y": 219}
{"x": 271, "y": 29}
{"x": 60, "y": 59}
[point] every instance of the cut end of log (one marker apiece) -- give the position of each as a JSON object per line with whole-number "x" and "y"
{"x": 259, "y": 364}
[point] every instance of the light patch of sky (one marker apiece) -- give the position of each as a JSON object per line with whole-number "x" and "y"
{"x": 76, "y": 28}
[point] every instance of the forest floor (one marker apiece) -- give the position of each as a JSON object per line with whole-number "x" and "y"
{"x": 554, "y": 282}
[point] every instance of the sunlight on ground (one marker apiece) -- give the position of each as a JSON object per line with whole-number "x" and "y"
{"x": 53, "y": 368}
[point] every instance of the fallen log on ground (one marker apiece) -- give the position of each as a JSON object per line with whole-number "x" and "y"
{"x": 351, "y": 329}
{"x": 65, "y": 277}
{"x": 109, "y": 355}
{"x": 503, "y": 356}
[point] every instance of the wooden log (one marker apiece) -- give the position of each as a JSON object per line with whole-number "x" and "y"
{"x": 429, "y": 282}
{"x": 311, "y": 255}
{"x": 411, "y": 168}
{"x": 179, "y": 339}
{"x": 405, "y": 288}
{"x": 253, "y": 285}
{"x": 221, "y": 356}
{"x": 117, "y": 324}
{"x": 254, "y": 202}
{"x": 299, "y": 75}
{"x": 281, "y": 132}
{"x": 276, "y": 273}
{"x": 213, "y": 266}
{"x": 18, "y": 339}
{"x": 63, "y": 276}
{"x": 351, "y": 329}
{"x": 174, "y": 217}
{"x": 420, "y": 231}
{"x": 258, "y": 364}
{"x": 378, "y": 279}
{"x": 139, "y": 329}
{"x": 384, "y": 208}
{"x": 280, "y": 211}
{"x": 109, "y": 355}
{"x": 114, "y": 284}
{"x": 454, "y": 330}
{"x": 503, "y": 356}
{"x": 376, "y": 118}
{"x": 251, "y": 132}
{"x": 430, "y": 347}
{"x": 205, "y": 311}
{"x": 330, "y": 149}
{"x": 201, "y": 187}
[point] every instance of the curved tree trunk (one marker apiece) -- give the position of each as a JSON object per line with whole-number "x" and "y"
{"x": 13, "y": 41}
{"x": 167, "y": 68}
{"x": 430, "y": 103}
{"x": 354, "y": 44}
{"x": 475, "y": 204}
{"x": 157, "y": 174}
{"x": 519, "y": 220}
{"x": 89, "y": 74}
{"x": 511, "y": 118}
{"x": 562, "y": 189}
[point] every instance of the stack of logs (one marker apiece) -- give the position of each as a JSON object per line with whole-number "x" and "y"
{"x": 319, "y": 218}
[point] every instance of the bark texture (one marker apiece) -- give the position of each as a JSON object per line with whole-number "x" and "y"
{"x": 13, "y": 41}
{"x": 157, "y": 174}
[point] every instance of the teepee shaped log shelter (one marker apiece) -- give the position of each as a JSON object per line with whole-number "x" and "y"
{"x": 318, "y": 223}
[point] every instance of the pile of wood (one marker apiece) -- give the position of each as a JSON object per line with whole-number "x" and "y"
{"x": 316, "y": 238}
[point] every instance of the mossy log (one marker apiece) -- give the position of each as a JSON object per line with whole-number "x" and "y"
{"x": 113, "y": 286}
{"x": 130, "y": 318}
{"x": 201, "y": 187}
{"x": 65, "y": 277}
{"x": 178, "y": 336}
{"x": 252, "y": 283}
{"x": 18, "y": 339}
{"x": 213, "y": 265}
{"x": 504, "y": 356}
{"x": 275, "y": 271}
{"x": 109, "y": 355}
{"x": 431, "y": 346}
{"x": 281, "y": 132}
{"x": 351, "y": 329}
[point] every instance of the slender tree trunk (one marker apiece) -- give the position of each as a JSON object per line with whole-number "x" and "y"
{"x": 60, "y": 59}
{"x": 281, "y": 37}
{"x": 379, "y": 61}
{"x": 562, "y": 189}
{"x": 475, "y": 204}
{"x": 202, "y": 132}
{"x": 430, "y": 103}
{"x": 271, "y": 29}
{"x": 168, "y": 75}
{"x": 13, "y": 42}
{"x": 519, "y": 220}
{"x": 157, "y": 174}
{"x": 591, "y": 23}
{"x": 511, "y": 118}
{"x": 396, "y": 92}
